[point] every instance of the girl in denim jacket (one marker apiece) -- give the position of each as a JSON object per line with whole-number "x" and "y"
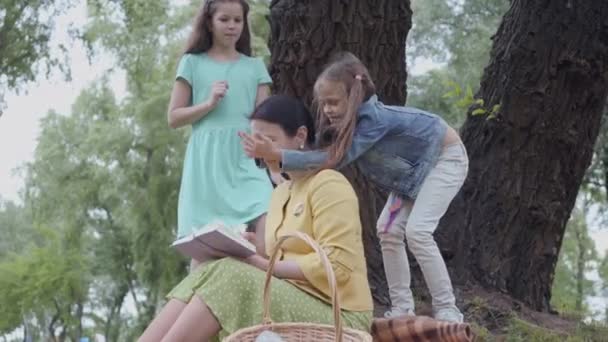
{"x": 412, "y": 154}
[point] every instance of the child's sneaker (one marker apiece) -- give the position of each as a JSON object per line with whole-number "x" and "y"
{"x": 449, "y": 315}
{"x": 394, "y": 313}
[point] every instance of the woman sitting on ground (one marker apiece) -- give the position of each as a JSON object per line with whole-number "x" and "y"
{"x": 222, "y": 296}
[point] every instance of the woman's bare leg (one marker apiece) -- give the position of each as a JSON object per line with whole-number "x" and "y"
{"x": 163, "y": 321}
{"x": 196, "y": 323}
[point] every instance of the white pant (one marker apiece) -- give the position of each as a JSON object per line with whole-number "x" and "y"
{"x": 416, "y": 222}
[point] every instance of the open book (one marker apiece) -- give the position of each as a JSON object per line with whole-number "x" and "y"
{"x": 215, "y": 240}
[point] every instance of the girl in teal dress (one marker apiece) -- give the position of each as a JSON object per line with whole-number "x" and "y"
{"x": 217, "y": 86}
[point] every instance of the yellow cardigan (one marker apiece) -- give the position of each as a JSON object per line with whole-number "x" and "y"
{"x": 325, "y": 207}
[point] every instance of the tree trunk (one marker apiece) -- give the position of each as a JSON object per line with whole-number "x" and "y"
{"x": 79, "y": 315}
{"x": 304, "y": 34}
{"x": 549, "y": 74}
{"x": 580, "y": 266}
{"x": 112, "y": 324}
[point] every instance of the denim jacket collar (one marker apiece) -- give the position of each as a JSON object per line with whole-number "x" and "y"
{"x": 369, "y": 104}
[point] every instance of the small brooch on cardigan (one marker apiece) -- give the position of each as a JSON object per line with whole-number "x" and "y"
{"x": 298, "y": 210}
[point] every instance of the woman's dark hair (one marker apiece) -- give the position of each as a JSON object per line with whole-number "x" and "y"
{"x": 201, "y": 38}
{"x": 287, "y": 112}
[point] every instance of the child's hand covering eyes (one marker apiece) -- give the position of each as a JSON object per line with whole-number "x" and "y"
{"x": 259, "y": 146}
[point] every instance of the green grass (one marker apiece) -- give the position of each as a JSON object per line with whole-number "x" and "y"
{"x": 519, "y": 330}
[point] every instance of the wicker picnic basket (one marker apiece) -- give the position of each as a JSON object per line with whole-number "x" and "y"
{"x": 301, "y": 332}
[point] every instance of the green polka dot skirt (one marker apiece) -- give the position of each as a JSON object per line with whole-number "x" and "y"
{"x": 233, "y": 292}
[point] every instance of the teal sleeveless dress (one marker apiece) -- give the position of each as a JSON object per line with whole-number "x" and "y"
{"x": 219, "y": 182}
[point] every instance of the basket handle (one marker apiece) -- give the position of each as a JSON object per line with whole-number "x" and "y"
{"x": 328, "y": 270}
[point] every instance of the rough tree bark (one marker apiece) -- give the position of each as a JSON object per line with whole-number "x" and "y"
{"x": 305, "y": 33}
{"x": 549, "y": 73}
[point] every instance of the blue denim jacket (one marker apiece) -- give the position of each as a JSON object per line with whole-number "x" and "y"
{"x": 395, "y": 147}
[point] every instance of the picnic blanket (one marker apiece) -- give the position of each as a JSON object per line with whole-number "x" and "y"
{"x": 420, "y": 329}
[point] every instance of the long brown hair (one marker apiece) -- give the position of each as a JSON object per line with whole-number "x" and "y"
{"x": 347, "y": 69}
{"x": 201, "y": 38}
